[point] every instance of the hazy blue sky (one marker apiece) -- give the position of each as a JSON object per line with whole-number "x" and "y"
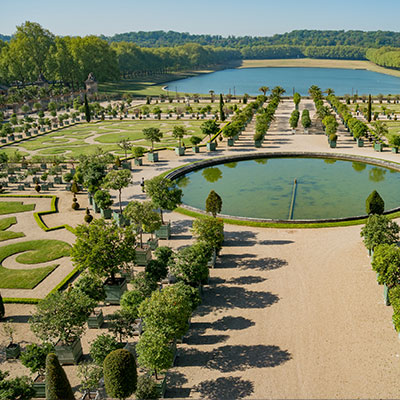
{"x": 225, "y": 17}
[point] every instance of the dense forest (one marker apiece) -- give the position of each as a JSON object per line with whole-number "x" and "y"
{"x": 295, "y": 38}
{"x": 33, "y": 50}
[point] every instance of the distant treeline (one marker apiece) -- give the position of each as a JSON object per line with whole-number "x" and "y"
{"x": 295, "y": 38}
{"x": 386, "y": 57}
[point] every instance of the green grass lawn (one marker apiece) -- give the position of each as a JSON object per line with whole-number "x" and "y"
{"x": 5, "y": 223}
{"x": 106, "y": 135}
{"x": 32, "y": 252}
{"x": 11, "y": 207}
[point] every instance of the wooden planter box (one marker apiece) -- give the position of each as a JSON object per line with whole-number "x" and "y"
{"x": 180, "y": 151}
{"x": 164, "y": 232}
{"x": 58, "y": 180}
{"x": 332, "y": 144}
{"x": 211, "y": 146}
{"x": 106, "y": 213}
{"x": 142, "y": 255}
{"x": 378, "y": 147}
{"x": 213, "y": 258}
{"x": 360, "y": 143}
{"x": 69, "y": 354}
{"x": 258, "y": 143}
{"x": 114, "y": 291}
{"x": 386, "y": 295}
{"x": 395, "y": 150}
{"x": 90, "y": 197}
{"x": 127, "y": 274}
{"x": 162, "y": 386}
{"x": 231, "y": 142}
{"x": 196, "y": 149}
{"x": 96, "y": 208}
{"x": 39, "y": 386}
{"x": 95, "y": 320}
{"x": 91, "y": 396}
{"x": 13, "y": 351}
{"x": 152, "y": 157}
{"x": 120, "y": 219}
{"x": 138, "y": 162}
{"x": 126, "y": 165}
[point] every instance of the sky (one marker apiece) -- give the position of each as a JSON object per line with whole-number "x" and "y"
{"x": 222, "y": 17}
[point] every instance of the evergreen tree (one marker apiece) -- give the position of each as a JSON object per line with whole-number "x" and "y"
{"x": 87, "y": 110}
{"x": 213, "y": 203}
{"x": 57, "y": 384}
{"x": 369, "y": 112}
{"x": 221, "y": 108}
{"x": 375, "y": 204}
{"x": 120, "y": 375}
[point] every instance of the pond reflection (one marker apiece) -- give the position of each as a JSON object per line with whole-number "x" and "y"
{"x": 212, "y": 174}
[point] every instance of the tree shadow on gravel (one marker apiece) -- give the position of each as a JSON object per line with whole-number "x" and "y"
{"x": 223, "y": 324}
{"x": 235, "y": 358}
{"x": 225, "y": 388}
{"x": 222, "y": 297}
{"x": 246, "y": 280}
{"x": 175, "y": 381}
{"x": 275, "y": 242}
{"x": 249, "y": 261}
{"x": 181, "y": 226}
{"x": 195, "y": 338}
{"x": 239, "y": 239}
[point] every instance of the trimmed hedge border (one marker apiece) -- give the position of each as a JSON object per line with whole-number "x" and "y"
{"x": 265, "y": 223}
{"x": 38, "y": 219}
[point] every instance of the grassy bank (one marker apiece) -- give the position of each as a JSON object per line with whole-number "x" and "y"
{"x": 317, "y": 63}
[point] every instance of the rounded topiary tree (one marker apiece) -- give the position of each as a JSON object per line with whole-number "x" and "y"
{"x": 120, "y": 375}
{"x": 2, "y": 310}
{"x": 213, "y": 203}
{"x": 375, "y": 204}
{"x": 57, "y": 384}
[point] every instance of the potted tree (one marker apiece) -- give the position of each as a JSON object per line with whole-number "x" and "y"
{"x": 104, "y": 248}
{"x": 103, "y": 200}
{"x": 60, "y": 319}
{"x": 195, "y": 140}
{"x": 34, "y": 358}
{"x": 13, "y": 350}
{"x": 179, "y": 132}
{"x": 141, "y": 215}
{"x": 332, "y": 140}
{"x": 90, "y": 375}
{"x": 154, "y": 135}
{"x": 138, "y": 154}
{"x": 164, "y": 195}
{"x": 394, "y": 141}
{"x": 230, "y": 131}
{"x": 210, "y": 128}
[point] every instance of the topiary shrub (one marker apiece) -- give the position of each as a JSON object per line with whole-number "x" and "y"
{"x": 146, "y": 388}
{"x": 38, "y": 188}
{"x": 2, "y": 310}
{"x": 375, "y": 204}
{"x": 75, "y": 205}
{"x": 102, "y": 346}
{"x": 120, "y": 375}
{"x": 57, "y": 384}
{"x": 88, "y": 217}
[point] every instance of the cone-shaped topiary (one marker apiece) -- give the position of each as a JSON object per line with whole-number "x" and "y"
{"x": 120, "y": 375}
{"x": 2, "y": 311}
{"x": 375, "y": 204}
{"x": 57, "y": 384}
{"x": 213, "y": 203}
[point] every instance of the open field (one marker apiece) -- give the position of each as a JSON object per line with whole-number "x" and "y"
{"x": 318, "y": 63}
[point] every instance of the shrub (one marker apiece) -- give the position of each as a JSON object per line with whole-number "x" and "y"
{"x": 2, "y": 310}
{"x": 88, "y": 217}
{"x": 91, "y": 286}
{"x": 120, "y": 375}
{"x": 386, "y": 263}
{"x": 146, "y": 388}
{"x": 34, "y": 356}
{"x": 74, "y": 187}
{"x": 121, "y": 324}
{"x": 394, "y": 297}
{"x": 102, "y": 346}
{"x": 213, "y": 203}
{"x": 138, "y": 151}
{"x": 75, "y": 205}
{"x": 158, "y": 269}
{"x": 379, "y": 229}
{"x": 20, "y": 388}
{"x": 143, "y": 283}
{"x": 375, "y": 204}
{"x": 195, "y": 140}
{"x": 38, "y": 188}
{"x": 130, "y": 302}
{"x": 68, "y": 176}
{"x": 90, "y": 375}
{"x": 209, "y": 230}
{"x": 57, "y": 384}
{"x": 103, "y": 199}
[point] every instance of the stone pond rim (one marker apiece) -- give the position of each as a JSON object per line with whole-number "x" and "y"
{"x": 185, "y": 169}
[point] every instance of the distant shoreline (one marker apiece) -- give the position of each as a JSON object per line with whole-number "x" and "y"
{"x": 318, "y": 63}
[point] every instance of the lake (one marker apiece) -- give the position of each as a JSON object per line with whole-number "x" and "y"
{"x": 248, "y": 80}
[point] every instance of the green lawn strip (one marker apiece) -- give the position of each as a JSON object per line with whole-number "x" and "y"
{"x": 5, "y": 223}
{"x": 38, "y": 251}
{"x": 11, "y": 207}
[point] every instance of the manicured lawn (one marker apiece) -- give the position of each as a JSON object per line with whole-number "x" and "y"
{"x": 5, "y": 223}
{"x": 10, "y": 207}
{"x": 32, "y": 252}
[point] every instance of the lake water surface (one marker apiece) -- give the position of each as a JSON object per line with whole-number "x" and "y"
{"x": 248, "y": 80}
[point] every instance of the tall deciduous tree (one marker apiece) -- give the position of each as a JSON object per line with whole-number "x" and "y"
{"x": 118, "y": 180}
{"x": 103, "y": 247}
{"x": 164, "y": 194}
{"x": 209, "y": 128}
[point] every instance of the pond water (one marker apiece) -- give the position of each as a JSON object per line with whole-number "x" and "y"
{"x": 263, "y": 188}
{"x": 248, "y": 80}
